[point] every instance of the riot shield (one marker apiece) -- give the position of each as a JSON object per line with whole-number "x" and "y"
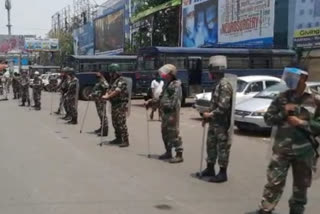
{"x": 129, "y": 89}
{"x": 232, "y": 79}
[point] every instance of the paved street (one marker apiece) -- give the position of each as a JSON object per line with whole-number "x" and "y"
{"x": 49, "y": 167}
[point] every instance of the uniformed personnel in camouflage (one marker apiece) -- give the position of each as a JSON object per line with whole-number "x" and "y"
{"x": 24, "y": 87}
{"x": 170, "y": 104}
{"x": 72, "y": 97}
{"x": 219, "y": 119}
{"x": 98, "y": 91}
{"x": 37, "y": 88}
{"x": 16, "y": 85}
{"x": 292, "y": 147}
{"x": 119, "y": 97}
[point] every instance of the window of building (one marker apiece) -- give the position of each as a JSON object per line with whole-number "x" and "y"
{"x": 303, "y": 1}
{"x": 300, "y": 26}
{"x": 317, "y": 24}
{"x": 302, "y": 12}
{"x": 311, "y": 12}
{"x": 309, "y": 25}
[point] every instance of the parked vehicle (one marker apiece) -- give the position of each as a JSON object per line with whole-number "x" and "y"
{"x": 48, "y": 79}
{"x": 247, "y": 87}
{"x": 192, "y": 64}
{"x": 249, "y": 115}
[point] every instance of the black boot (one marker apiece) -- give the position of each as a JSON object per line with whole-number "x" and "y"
{"x": 208, "y": 172}
{"x": 115, "y": 142}
{"x": 166, "y": 156}
{"x": 221, "y": 177}
{"x": 73, "y": 121}
{"x": 23, "y": 104}
{"x": 297, "y": 210}
{"x": 57, "y": 112}
{"x": 29, "y": 103}
{"x": 123, "y": 145}
{"x": 177, "y": 159}
{"x": 98, "y": 131}
{"x": 104, "y": 133}
{"x": 67, "y": 117}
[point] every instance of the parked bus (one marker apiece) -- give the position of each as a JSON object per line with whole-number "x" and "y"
{"x": 192, "y": 64}
{"x": 85, "y": 66}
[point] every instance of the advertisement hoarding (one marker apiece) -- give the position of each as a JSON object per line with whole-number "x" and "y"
{"x": 32, "y": 44}
{"x": 199, "y": 23}
{"x": 10, "y": 43}
{"x": 109, "y": 32}
{"x": 84, "y": 40}
{"x": 246, "y": 23}
{"x": 307, "y": 25}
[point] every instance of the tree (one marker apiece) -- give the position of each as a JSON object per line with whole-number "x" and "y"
{"x": 66, "y": 46}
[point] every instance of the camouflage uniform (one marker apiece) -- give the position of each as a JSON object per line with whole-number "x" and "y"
{"x": 63, "y": 87}
{"x": 218, "y": 144}
{"x": 37, "y": 88}
{"x": 72, "y": 98}
{"x": 16, "y": 87}
{"x": 292, "y": 147}
{"x": 24, "y": 86}
{"x": 99, "y": 90}
{"x": 170, "y": 104}
{"x": 119, "y": 109}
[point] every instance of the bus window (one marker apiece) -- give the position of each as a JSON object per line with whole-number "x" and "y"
{"x": 179, "y": 62}
{"x": 276, "y": 63}
{"x": 286, "y": 61}
{"x": 195, "y": 70}
{"x": 238, "y": 62}
{"x": 150, "y": 63}
{"x": 260, "y": 62}
{"x": 81, "y": 67}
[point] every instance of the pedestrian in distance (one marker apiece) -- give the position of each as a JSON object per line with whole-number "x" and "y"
{"x": 16, "y": 85}
{"x": 62, "y": 88}
{"x": 100, "y": 89}
{"x": 37, "y": 88}
{"x": 154, "y": 102}
{"x": 219, "y": 119}
{"x": 24, "y": 86}
{"x": 294, "y": 143}
{"x": 72, "y": 96}
{"x": 170, "y": 104}
{"x": 118, "y": 95}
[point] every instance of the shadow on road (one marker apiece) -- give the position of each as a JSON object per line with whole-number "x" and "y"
{"x": 264, "y": 134}
{"x": 155, "y": 157}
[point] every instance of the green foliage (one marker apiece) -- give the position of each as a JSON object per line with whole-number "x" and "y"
{"x": 66, "y": 46}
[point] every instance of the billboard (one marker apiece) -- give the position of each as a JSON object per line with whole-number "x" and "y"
{"x": 10, "y": 43}
{"x": 33, "y": 44}
{"x": 199, "y": 23}
{"x": 246, "y": 23}
{"x": 110, "y": 32}
{"x": 307, "y": 24}
{"x": 84, "y": 40}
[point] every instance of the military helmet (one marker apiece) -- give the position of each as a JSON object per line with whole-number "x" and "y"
{"x": 37, "y": 73}
{"x": 114, "y": 68}
{"x": 218, "y": 63}
{"x": 168, "y": 69}
{"x": 68, "y": 70}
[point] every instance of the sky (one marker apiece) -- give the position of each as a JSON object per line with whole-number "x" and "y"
{"x": 32, "y": 17}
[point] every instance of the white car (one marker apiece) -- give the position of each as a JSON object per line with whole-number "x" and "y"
{"x": 249, "y": 115}
{"x": 247, "y": 87}
{"x": 47, "y": 77}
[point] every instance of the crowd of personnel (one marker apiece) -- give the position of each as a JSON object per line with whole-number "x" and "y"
{"x": 294, "y": 135}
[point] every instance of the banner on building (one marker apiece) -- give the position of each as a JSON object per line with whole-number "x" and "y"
{"x": 246, "y": 23}
{"x": 32, "y": 44}
{"x": 84, "y": 40}
{"x": 199, "y": 23}
{"x": 11, "y": 43}
{"x": 307, "y": 25}
{"x": 110, "y": 32}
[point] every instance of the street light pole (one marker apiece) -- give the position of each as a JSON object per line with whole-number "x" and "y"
{"x": 8, "y": 8}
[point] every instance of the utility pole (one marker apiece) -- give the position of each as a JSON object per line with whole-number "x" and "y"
{"x": 8, "y": 8}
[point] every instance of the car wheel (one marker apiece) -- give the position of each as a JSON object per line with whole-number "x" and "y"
{"x": 86, "y": 91}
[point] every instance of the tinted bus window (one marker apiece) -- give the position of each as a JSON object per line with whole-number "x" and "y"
{"x": 178, "y": 61}
{"x": 260, "y": 62}
{"x": 238, "y": 62}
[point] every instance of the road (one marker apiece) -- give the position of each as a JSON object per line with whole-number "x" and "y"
{"x": 49, "y": 167}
